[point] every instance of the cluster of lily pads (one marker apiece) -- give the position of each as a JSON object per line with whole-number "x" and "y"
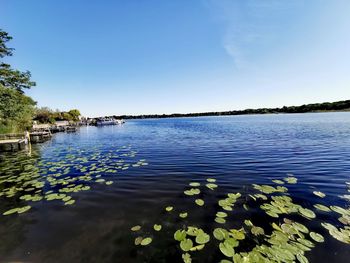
{"x": 284, "y": 240}
{"x": 62, "y": 172}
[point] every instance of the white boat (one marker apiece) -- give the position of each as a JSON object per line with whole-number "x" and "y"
{"x": 109, "y": 121}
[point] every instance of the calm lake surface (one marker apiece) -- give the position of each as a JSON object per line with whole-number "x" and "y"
{"x": 144, "y": 166}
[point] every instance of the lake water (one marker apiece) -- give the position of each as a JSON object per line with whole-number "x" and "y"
{"x": 144, "y": 166}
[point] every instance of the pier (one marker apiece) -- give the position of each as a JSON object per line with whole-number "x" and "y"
{"x": 12, "y": 142}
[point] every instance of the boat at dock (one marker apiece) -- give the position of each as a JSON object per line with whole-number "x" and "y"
{"x": 108, "y": 121}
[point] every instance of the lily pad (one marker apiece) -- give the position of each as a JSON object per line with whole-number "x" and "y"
{"x": 320, "y": 194}
{"x": 199, "y": 202}
{"x": 180, "y": 235}
{"x": 211, "y": 186}
{"x": 183, "y": 215}
{"x": 302, "y": 258}
{"x": 226, "y": 249}
{"x": 169, "y": 208}
{"x": 322, "y": 208}
{"x": 186, "y": 258}
{"x": 157, "y": 227}
{"x": 202, "y": 238}
{"x": 186, "y": 244}
{"x": 317, "y": 237}
{"x": 307, "y": 213}
{"x": 221, "y": 214}
{"x": 220, "y": 220}
{"x": 220, "y": 233}
{"x": 135, "y": 228}
{"x": 138, "y": 241}
{"x": 146, "y": 241}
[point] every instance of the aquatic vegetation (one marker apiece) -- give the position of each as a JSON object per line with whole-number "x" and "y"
{"x": 317, "y": 237}
{"x": 36, "y": 179}
{"x": 268, "y": 189}
{"x": 192, "y": 191}
{"x": 341, "y": 234}
{"x": 136, "y": 228}
{"x": 318, "y": 193}
{"x": 183, "y": 215}
{"x": 157, "y": 227}
{"x": 169, "y": 208}
{"x": 280, "y": 205}
{"x": 192, "y": 239}
{"x": 211, "y": 186}
{"x": 322, "y": 207}
{"x": 199, "y": 202}
{"x": 18, "y": 210}
{"x": 146, "y": 241}
{"x": 285, "y": 240}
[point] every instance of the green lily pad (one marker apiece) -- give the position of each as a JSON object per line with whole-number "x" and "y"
{"x": 220, "y": 220}
{"x": 307, "y": 213}
{"x": 322, "y": 208}
{"x": 197, "y": 248}
{"x": 202, "y": 238}
{"x": 278, "y": 181}
{"x": 317, "y": 237}
{"x": 11, "y": 211}
{"x": 257, "y": 231}
{"x": 195, "y": 184}
{"x": 186, "y": 258}
{"x": 221, "y": 214}
{"x": 157, "y": 227}
{"x": 320, "y": 194}
{"x": 169, "y": 208}
{"x": 183, "y": 215}
{"x": 220, "y": 233}
{"x": 146, "y": 241}
{"x": 211, "y": 180}
{"x": 186, "y": 244}
{"x": 193, "y": 231}
{"x": 302, "y": 258}
{"x": 70, "y": 202}
{"x": 211, "y": 186}
{"x": 226, "y": 249}
{"x": 24, "y": 209}
{"x": 138, "y": 241}
{"x": 180, "y": 235}
{"x": 199, "y": 202}
{"x": 135, "y": 228}
{"x": 192, "y": 191}
{"x": 237, "y": 234}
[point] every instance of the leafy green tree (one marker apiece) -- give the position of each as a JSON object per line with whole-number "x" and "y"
{"x": 74, "y": 114}
{"x": 16, "y": 110}
{"x": 12, "y": 78}
{"x": 44, "y": 115}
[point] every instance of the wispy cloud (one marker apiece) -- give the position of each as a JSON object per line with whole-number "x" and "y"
{"x": 251, "y": 26}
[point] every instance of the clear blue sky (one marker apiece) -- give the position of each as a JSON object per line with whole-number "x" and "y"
{"x": 158, "y": 56}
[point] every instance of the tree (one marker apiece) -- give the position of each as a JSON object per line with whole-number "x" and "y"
{"x": 74, "y": 114}
{"x": 16, "y": 110}
{"x": 11, "y": 78}
{"x": 44, "y": 115}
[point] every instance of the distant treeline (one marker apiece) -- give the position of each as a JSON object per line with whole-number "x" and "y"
{"x": 316, "y": 107}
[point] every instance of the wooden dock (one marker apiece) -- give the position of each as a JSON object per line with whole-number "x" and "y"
{"x": 12, "y": 142}
{"x": 40, "y": 136}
